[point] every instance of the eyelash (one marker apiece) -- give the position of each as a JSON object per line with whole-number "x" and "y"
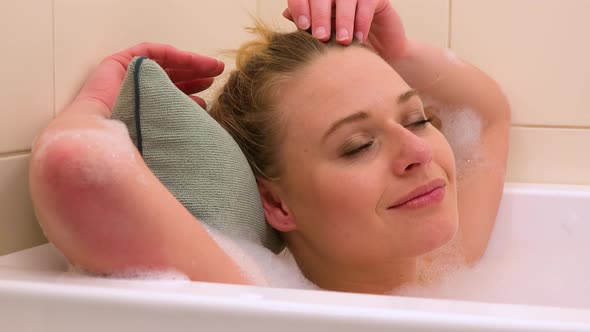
{"x": 420, "y": 124}
{"x": 354, "y": 152}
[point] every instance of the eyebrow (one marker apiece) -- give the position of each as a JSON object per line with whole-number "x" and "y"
{"x": 406, "y": 96}
{"x": 362, "y": 115}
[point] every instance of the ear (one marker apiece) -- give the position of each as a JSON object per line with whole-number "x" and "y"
{"x": 276, "y": 212}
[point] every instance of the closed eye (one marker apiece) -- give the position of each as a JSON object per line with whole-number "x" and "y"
{"x": 419, "y": 124}
{"x": 358, "y": 150}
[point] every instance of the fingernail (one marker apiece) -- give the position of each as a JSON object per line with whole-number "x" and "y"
{"x": 303, "y": 22}
{"x": 342, "y": 35}
{"x": 320, "y": 33}
{"x": 359, "y": 36}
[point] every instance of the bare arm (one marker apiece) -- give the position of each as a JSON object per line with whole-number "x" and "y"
{"x": 96, "y": 199}
{"x": 436, "y": 73}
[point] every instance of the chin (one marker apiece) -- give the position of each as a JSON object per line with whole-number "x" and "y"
{"x": 441, "y": 233}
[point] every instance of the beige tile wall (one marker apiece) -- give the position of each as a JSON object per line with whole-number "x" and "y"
{"x": 427, "y": 20}
{"x": 26, "y": 92}
{"x": 87, "y": 30}
{"x": 18, "y": 226}
{"x": 536, "y": 49}
{"x": 26, "y": 81}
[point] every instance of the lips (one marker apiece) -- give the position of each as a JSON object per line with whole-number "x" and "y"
{"x": 431, "y": 193}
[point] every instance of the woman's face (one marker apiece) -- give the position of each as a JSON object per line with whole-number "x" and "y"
{"x": 354, "y": 150}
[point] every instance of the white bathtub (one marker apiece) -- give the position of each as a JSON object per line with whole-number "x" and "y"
{"x": 36, "y": 294}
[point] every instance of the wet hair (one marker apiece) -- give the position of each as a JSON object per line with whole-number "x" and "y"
{"x": 247, "y": 104}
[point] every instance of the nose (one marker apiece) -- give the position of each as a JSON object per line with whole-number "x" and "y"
{"x": 413, "y": 153}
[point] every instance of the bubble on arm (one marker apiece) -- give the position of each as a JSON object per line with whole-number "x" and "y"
{"x": 133, "y": 273}
{"x": 260, "y": 265}
{"x": 462, "y": 127}
{"x": 107, "y": 142}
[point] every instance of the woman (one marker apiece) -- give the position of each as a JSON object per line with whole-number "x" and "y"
{"x": 362, "y": 187}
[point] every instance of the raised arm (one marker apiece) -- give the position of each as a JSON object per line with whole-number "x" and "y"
{"x": 456, "y": 86}
{"x": 440, "y": 76}
{"x": 97, "y": 200}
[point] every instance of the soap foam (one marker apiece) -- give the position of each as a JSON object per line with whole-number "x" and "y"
{"x": 142, "y": 274}
{"x": 542, "y": 280}
{"x": 110, "y": 136}
{"x": 544, "y": 266}
{"x": 462, "y": 127}
{"x": 260, "y": 265}
{"x": 145, "y": 274}
{"x": 549, "y": 278}
{"x": 553, "y": 277}
{"x": 109, "y": 141}
{"x": 442, "y": 261}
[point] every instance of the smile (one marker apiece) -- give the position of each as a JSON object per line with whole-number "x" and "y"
{"x": 423, "y": 196}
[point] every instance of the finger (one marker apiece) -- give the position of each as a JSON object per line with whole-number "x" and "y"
{"x": 345, "y": 16}
{"x": 300, "y": 13}
{"x": 321, "y": 19}
{"x": 104, "y": 83}
{"x": 287, "y": 14}
{"x": 194, "y": 86}
{"x": 199, "y": 101}
{"x": 365, "y": 12}
{"x": 170, "y": 57}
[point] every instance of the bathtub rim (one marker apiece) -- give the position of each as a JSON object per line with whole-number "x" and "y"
{"x": 46, "y": 285}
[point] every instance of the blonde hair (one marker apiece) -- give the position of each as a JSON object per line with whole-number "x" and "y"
{"x": 246, "y": 105}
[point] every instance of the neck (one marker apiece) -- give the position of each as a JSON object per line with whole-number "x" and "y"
{"x": 370, "y": 278}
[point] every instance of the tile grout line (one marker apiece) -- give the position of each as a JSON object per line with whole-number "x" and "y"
{"x": 15, "y": 154}
{"x": 258, "y": 6}
{"x": 53, "y": 50}
{"x": 450, "y": 32}
{"x": 514, "y": 125}
{"x": 570, "y": 127}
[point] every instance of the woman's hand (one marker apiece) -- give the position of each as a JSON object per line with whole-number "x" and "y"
{"x": 190, "y": 72}
{"x": 373, "y": 22}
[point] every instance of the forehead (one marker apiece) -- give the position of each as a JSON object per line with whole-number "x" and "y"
{"x": 335, "y": 85}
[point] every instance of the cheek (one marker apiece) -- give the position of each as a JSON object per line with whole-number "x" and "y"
{"x": 342, "y": 194}
{"x": 339, "y": 214}
{"x": 442, "y": 155}
{"x": 331, "y": 200}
